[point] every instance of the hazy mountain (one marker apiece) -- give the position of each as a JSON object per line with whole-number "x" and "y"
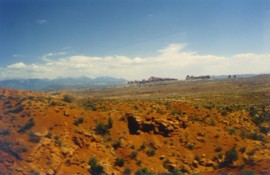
{"x": 59, "y": 83}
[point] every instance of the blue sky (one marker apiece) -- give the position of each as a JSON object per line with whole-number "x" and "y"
{"x": 38, "y": 32}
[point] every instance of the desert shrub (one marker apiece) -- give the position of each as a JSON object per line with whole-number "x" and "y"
{"x": 78, "y": 121}
{"x": 16, "y": 110}
{"x": 190, "y": 146}
{"x": 133, "y": 154}
{"x": 89, "y": 105}
{"x": 242, "y": 149}
{"x": 68, "y": 98}
{"x": 116, "y": 144}
{"x": 151, "y": 151}
{"x": 252, "y": 111}
{"x": 110, "y": 123}
{"x": 21, "y": 149}
{"x": 33, "y": 172}
{"x": 33, "y": 137}
{"x": 58, "y": 141}
{"x": 101, "y": 129}
{"x": 218, "y": 149}
{"x": 143, "y": 171}
{"x": 173, "y": 172}
{"x": 143, "y": 146}
{"x": 247, "y": 172}
{"x": 95, "y": 167}
{"x": 176, "y": 112}
{"x": 119, "y": 162}
{"x": 263, "y": 117}
{"x": 264, "y": 130}
{"x": 252, "y": 152}
{"x": 53, "y": 103}
{"x": 255, "y": 136}
{"x": 166, "y": 163}
{"x": 224, "y": 113}
{"x": 28, "y": 125}
{"x": 48, "y": 135}
{"x": 232, "y": 131}
{"x": 127, "y": 171}
{"x": 4, "y": 132}
{"x": 138, "y": 162}
{"x": 212, "y": 123}
{"x": 230, "y": 156}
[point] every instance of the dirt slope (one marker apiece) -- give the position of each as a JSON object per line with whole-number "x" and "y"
{"x": 59, "y": 134}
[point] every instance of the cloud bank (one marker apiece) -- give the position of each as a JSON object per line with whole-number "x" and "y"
{"x": 172, "y": 61}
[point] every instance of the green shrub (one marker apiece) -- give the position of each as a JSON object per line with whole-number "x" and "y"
{"x": 116, "y": 144}
{"x": 138, "y": 162}
{"x": 224, "y": 113}
{"x": 256, "y": 136}
{"x": 133, "y": 154}
{"x": 127, "y": 171}
{"x": 33, "y": 172}
{"x": 58, "y": 141}
{"x": 174, "y": 172}
{"x": 110, "y": 123}
{"x": 231, "y": 156}
{"x": 232, "y": 131}
{"x": 247, "y": 172}
{"x": 242, "y": 149}
{"x": 264, "y": 130}
{"x": 68, "y": 98}
{"x": 252, "y": 152}
{"x": 143, "y": 171}
{"x": 119, "y": 162}
{"x": 151, "y": 151}
{"x": 218, "y": 149}
{"x": 78, "y": 121}
{"x": 143, "y": 146}
{"x": 101, "y": 129}
{"x": 95, "y": 167}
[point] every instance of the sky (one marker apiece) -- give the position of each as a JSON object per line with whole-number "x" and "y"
{"x": 133, "y": 39}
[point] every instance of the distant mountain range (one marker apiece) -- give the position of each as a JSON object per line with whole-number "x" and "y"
{"x": 60, "y": 83}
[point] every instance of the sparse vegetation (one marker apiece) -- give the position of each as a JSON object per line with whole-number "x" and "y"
{"x": 58, "y": 141}
{"x": 143, "y": 171}
{"x": 119, "y": 162}
{"x": 133, "y": 154}
{"x": 4, "y": 132}
{"x": 78, "y": 121}
{"x": 28, "y": 125}
{"x": 68, "y": 98}
{"x": 167, "y": 132}
{"x": 95, "y": 167}
{"x": 230, "y": 156}
{"x": 101, "y": 129}
{"x": 116, "y": 144}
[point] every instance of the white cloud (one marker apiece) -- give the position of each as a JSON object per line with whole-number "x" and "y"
{"x": 172, "y": 61}
{"x": 41, "y": 21}
{"x": 19, "y": 65}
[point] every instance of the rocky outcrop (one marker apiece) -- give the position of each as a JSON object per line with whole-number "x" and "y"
{"x": 157, "y": 126}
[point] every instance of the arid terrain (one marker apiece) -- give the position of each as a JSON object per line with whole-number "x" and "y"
{"x": 179, "y": 127}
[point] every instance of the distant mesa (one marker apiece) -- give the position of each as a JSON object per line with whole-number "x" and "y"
{"x": 202, "y": 77}
{"x": 151, "y": 79}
